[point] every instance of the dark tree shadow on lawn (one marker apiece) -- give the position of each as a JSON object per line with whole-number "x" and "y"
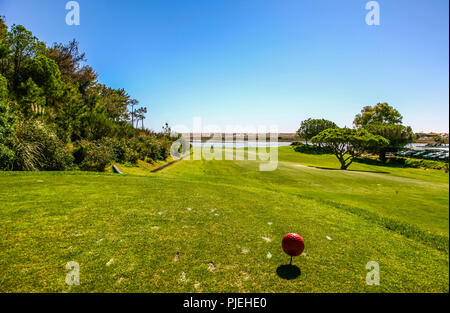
{"x": 349, "y": 170}
{"x": 288, "y": 271}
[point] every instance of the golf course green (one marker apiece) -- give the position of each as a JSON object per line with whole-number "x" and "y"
{"x": 217, "y": 226}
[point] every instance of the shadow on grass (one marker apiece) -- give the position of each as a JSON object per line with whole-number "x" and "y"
{"x": 390, "y": 162}
{"x": 350, "y": 170}
{"x": 288, "y": 271}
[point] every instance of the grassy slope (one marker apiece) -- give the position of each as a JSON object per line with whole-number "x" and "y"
{"x": 398, "y": 218}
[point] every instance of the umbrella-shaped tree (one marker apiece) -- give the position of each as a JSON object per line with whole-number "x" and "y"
{"x": 347, "y": 144}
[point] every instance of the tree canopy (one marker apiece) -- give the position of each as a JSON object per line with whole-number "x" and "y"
{"x": 381, "y": 113}
{"x": 384, "y": 120}
{"x": 347, "y": 144}
{"x": 398, "y": 136}
{"x": 312, "y": 127}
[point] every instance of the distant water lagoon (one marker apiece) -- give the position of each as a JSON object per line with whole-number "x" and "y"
{"x": 239, "y": 144}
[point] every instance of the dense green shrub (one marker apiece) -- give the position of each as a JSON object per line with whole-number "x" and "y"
{"x": 419, "y": 163}
{"x": 151, "y": 147}
{"x": 405, "y": 162}
{"x": 163, "y": 148}
{"x": 37, "y": 147}
{"x": 310, "y": 149}
{"x": 96, "y": 155}
{"x": 6, "y": 158}
{"x": 131, "y": 156}
{"x": 120, "y": 150}
{"x": 93, "y": 156}
{"x": 6, "y": 128}
{"x": 117, "y": 147}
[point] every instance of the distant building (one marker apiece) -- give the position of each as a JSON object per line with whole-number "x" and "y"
{"x": 431, "y": 135}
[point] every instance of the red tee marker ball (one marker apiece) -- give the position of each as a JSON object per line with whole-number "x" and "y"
{"x": 293, "y": 244}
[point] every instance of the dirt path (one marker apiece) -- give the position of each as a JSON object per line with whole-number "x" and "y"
{"x": 168, "y": 164}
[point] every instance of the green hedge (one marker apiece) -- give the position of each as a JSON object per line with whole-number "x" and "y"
{"x": 420, "y": 163}
{"x": 406, "y": 162}
{"x": 310, "y": 149}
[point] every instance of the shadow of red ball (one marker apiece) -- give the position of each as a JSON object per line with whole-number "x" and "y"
{"x": 293, "y": 244}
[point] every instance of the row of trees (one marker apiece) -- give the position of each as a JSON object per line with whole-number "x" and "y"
{"x": 378, "y": 130}
{"x": 56, "y": 115}
{"x": 137, "y": 115}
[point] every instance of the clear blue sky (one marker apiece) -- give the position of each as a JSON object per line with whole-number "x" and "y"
{"x": 260, "y": 62}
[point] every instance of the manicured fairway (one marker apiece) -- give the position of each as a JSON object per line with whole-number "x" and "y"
{"x": 216, "y": 226}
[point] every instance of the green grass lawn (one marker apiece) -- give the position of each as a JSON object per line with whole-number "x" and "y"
{"x": 216, "y": 226}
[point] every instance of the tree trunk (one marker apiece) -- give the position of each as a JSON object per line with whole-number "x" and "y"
{"x": 344, "y": 163}
{"x": 342, "y": 160}
{"x": 383, "y": 156}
